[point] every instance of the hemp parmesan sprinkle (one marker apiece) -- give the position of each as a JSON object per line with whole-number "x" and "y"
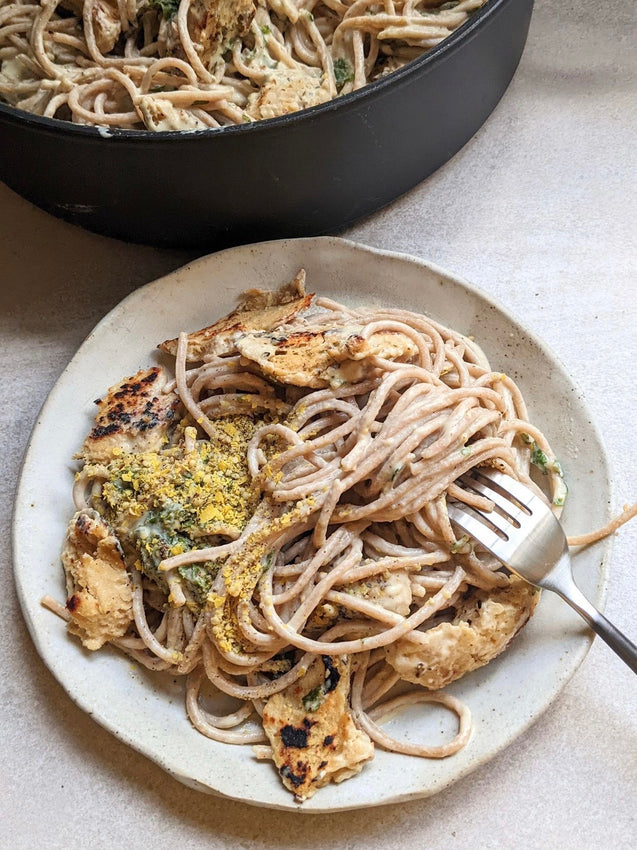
{"x": 208, "y": 486}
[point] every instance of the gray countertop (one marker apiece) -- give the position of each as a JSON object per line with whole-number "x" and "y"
{"x": 539, "y": 210}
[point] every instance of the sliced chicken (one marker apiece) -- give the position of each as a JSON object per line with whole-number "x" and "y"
{"x": 311, "y": 731}
{"x": 159, "y": 114}
{"x": 259, "y": 299}
{"x": 323, "y": 358}
{"x": 100, "y": 597}
{"x": 212, "y": 24}
{"x": 257, "y": 311}
{"x": 134, "y": 416}
{"x": 483, "y": 627}
{"x": 216, "y": 23}
{"x": 287, "y": 90}
{"x": 392, "y": 591}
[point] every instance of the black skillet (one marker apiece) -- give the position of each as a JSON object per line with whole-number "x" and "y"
{"x": 303, "y": 174}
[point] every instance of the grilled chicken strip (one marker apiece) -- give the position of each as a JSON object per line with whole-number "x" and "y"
{"x": 311, "y": 730}
{"x": 322, "y": 358}
{"x": 134, "y": 416}
{"x": 287, "y": 90}
{"x": 258, "y": 310}
{"x": 100, "y": 597}
{"x": 212, "y": 25}
{"x": 483, "y": 627}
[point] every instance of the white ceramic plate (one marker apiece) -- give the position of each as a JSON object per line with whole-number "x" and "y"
{"x": 147, "y": 710}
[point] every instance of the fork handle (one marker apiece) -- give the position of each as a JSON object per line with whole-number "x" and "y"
{"x": 617, "y": 641}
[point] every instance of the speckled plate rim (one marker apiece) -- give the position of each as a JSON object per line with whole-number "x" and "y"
{"x": 146, "y": 711}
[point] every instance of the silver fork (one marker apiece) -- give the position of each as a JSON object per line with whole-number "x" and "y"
{"x": 523, "y": 533}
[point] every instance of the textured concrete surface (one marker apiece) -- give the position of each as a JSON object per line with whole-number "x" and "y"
{"x": 539, "y": 210}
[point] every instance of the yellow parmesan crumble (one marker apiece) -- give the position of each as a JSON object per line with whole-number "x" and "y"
{"x": 243, "y": 569}
{"x": 210, "y": 484}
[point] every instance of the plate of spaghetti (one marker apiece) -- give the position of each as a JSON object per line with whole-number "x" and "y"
{"x": 235, "y": 501}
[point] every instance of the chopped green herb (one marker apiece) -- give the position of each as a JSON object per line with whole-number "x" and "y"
{"x": 156, "y": 538}
{"x": 168, "y": 8}
{"x": 313, "y": 700}
{"x": 267, "y": 562}
{"x": 266, "y": 30}
{"x": 539, "y": 458}
{"x": 343, "y": 72}
{"x": 199, "y": 578}
{"x": 158, "y": 535}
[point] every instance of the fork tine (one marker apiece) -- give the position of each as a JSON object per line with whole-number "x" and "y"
{"x": 535, "y": 506}
{"x": 477, "y": 483}
{"x": 476, "y": 528}
{"x": 492, "y": 518}
{"x": 519, "y": 492}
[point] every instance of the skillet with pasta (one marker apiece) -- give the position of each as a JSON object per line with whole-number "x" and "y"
{"x": 168, "y": 65}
